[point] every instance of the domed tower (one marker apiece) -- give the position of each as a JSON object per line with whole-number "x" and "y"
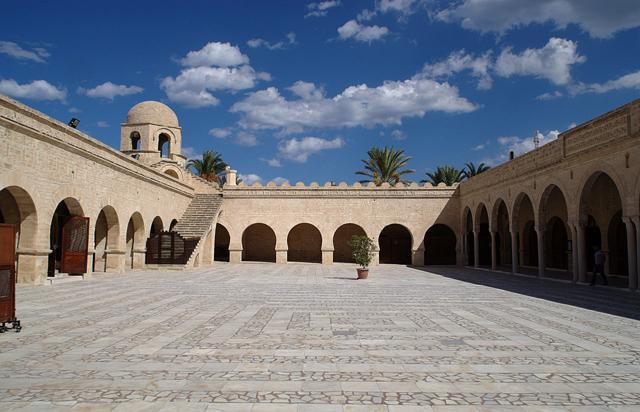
{"x": 152, "y": 134}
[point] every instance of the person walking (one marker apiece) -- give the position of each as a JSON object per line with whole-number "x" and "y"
{"x": 598, "y": 266}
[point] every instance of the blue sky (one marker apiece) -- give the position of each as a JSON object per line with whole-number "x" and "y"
{"x": 301, "y": 90}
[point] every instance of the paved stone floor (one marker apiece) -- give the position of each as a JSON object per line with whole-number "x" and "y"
{"x": 266, "y": 337}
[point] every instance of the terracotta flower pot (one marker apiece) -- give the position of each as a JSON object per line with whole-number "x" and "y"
{"x": 363, "y": 273}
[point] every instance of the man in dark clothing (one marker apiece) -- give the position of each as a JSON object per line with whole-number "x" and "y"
{"x": 598, "y": 265}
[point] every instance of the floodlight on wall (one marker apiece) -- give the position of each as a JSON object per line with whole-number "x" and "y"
{"x": 74, "y": 122}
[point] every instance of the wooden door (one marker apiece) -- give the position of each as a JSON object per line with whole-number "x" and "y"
{"x": 75, "y": 243}
{"x": 7, "y": 272}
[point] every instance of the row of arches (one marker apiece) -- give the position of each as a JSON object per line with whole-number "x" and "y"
{"x": 554, "y": 238}
{"x": 304, "y": 244}
{"x": 108, "y": 245}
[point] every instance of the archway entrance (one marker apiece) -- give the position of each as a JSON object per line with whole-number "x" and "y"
{"x": 173, "y": 224}
{"x": 395, "y": 245}
{"x": 107, "y": 232}
{"x": 68, "y": 237}
{"x": 469, "y": 238}
{"x": 440, "y": 246}
{"x": 484, "y": 237}
{"x": 304, "y": 244}
{"x": 156, "y": 226}
{"x": 556, "y": 244}
{"x": 17, "y": 208}
{"x": 135, "y": 241}
{"x": 164, "y": 145}
{"x": 221, "y": 247}
{"x": 502, "y": 236}
{"x": 527, "y": 238}
{"x": 259, "y": 243}
{"x": 341, "y": 239}
{"x": 553, "y": 213}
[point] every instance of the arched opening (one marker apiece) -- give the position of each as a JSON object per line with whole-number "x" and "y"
{"x": 66, "y": 209}
{"x": 484, "y": 236}
{"x": 529, "y": 244}
{"x": 156, "y": 226}
{"x": 17, "y": 208}
{"x": 553, "y": 212}
{"x": 341, "y": 239}
{"x": 304, "y": 244}
{"x": 440, "y": 246}
{"x": 469, "y": 238}
{"x": 107, "y": 232}
{"x": 164, "y": 145}
{"x": 527, "y": 238}
{"x": 601, "y": 204}
{"x": 503, "y": 235}
{"x": 135, "y": 140}
{"x": 395, "y": 245}
{"x": 135, "y": 240}
{"x": 172, "y": 173}
{"x": 221, "y": 247}
{"x": 173, "y": 224}
{"x": 259, "y": 243}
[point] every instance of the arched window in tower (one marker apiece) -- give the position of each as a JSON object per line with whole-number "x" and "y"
{"x": 164, "y": 145}
{"x": 135, "y": 140}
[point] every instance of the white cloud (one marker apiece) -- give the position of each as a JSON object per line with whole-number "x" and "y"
{"x": 354, "y": 30}
{"x": 599, "y": 18}
{"x": 628, "y": 81}
{"x": 38, "y": 54}
{"x": 479, "y": 147}
{"x": 273, "y": 162}
{"x": 191, "y": 153}
{"x": 246, "y": 139}
{"x": 217, "y": 66}
{"x": 220, "y": 133}
{"x": 459, "y": 61}
{"x": 299, "y": 150}
{"x": 74, "y": 110}
{"x": 321, "y": 9}
{"x": 550, "y": 96}
{"x": 402, "y": 7}
{"x": 258, "y": 42}
{"x": 215, "y": 54}
{"x": 523, "y": 145}
{"x": 36, "y": 90}
{"x": 280, "y": 180}
{"x": 356, "y": 106}
{"x": 102, "y": 124}
{"x": 250, "y": 178}
{"x": 398, "y": 134}
{"x": 552, "y": 62}
{"x": 110, "y": 90}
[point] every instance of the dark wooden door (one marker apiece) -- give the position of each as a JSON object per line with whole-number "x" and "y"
{"x": 7, "y": 272}
{"x": 75, "y": 243}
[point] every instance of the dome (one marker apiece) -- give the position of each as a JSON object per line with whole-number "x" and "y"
{"x": 152, "y": 112}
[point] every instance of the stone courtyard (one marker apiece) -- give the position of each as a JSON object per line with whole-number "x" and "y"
{"x": 301, "y": 337}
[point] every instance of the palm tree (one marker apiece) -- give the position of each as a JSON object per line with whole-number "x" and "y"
{"x": 446, "y": 174}
{"x": 209, "y": 167}
{"x": 385, "y": 165}
{"x": 471, "y": 169}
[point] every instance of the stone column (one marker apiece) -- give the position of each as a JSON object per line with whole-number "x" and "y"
{"x": 281, "y": 256}
{"x": 463, "y": 257}
{"x": 375, "y": 260}
{"x": 574, "y": 252}
{"x": 514, "y": 251}
{"x": 493, "y": 251}
{"x": 417, "y": 256}
{"x": 327, "y": 256}
{"x": 582, "y": 258}
{"x": 476, "y": 249}
{"x": 636, "y": 222}
{"x": 631, "y": 256}
{"x": 235, "y": 254}
{"x": 138, "y": 258}
{"x": 91, "y": 252}
{"x": 115, "y": 259}
{"x": 541, "y": 261}
{"x": 32, "y": 265}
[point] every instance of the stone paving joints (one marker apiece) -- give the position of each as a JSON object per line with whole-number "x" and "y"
{"x": 266, "y": 337}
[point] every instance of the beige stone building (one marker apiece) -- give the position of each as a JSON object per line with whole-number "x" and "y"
{"x": 542, "y": 213}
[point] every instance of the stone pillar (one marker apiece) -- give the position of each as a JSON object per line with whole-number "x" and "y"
{"x": 574, "y": 253}
{"x": 235, "y": 255}
{"x": 32, "y": 266}
{"x": 138, "y": 258}
{"x": 417, "y": 257}
{"x": 476, "y": 249}
{"x": 631, "y": 256}
{"x": 230, "y": 176}
{"x": 636, "y": 222}
{"x": 375, "y": 259}
{"x": 541, "y": 252}
{"x": 582, "y": 258}
{"x": 115, "y": 260}
{"x": 514, "y": 251}
{"x": 493, "y": 251}
{"x": 281, "y": 256}
{"x": 327, "y": 256}
{"x": 463, "y": 257}
{"x": 91, "y": 252}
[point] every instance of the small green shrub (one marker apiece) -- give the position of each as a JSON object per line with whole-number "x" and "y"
{"x": 361, "y": 250}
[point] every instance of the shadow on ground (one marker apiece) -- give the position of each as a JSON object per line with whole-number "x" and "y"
{"x": 613, "y": 301}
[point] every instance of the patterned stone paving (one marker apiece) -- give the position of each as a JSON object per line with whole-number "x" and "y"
{"x": 266, "y": 337}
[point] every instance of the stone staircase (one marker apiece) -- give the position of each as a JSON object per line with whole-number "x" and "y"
{"x": 197, "y": 219}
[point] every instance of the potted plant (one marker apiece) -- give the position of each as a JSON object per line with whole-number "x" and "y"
{"x": 362, "y": 251}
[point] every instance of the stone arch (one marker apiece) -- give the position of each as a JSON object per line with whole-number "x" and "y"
{"x": 341, "y": 238}
{"x": 156, "y": 226}
{"x": 172, "y": 173}
{"x": 501, "y": 226}
{"x": 440, "y": 245}
{"x": 259, "y": 243}
{"x": 221, "y": 246}
{"x": 134, "y": 139}
{"x": 481, "y": 226}
{"x": 395, "y": 242}
{"x": 304, "y": 244}
{"x": 106, "y": 237}
{"x": 173, "y": 224}
{"x": 523, "y": 222}
{"x": 553, "y": 215}
{"x": 164, "y": 144}
{"x": 135, "y": 241}
{"x": 468, "y": 236}
{"x": 67, "y": 208}
{"x": 18, "y": 208}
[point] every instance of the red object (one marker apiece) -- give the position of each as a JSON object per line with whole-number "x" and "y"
{"x": 7, "y": 273}
{"x": 363, "y": 273}
{"x": 75, "y": 243}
